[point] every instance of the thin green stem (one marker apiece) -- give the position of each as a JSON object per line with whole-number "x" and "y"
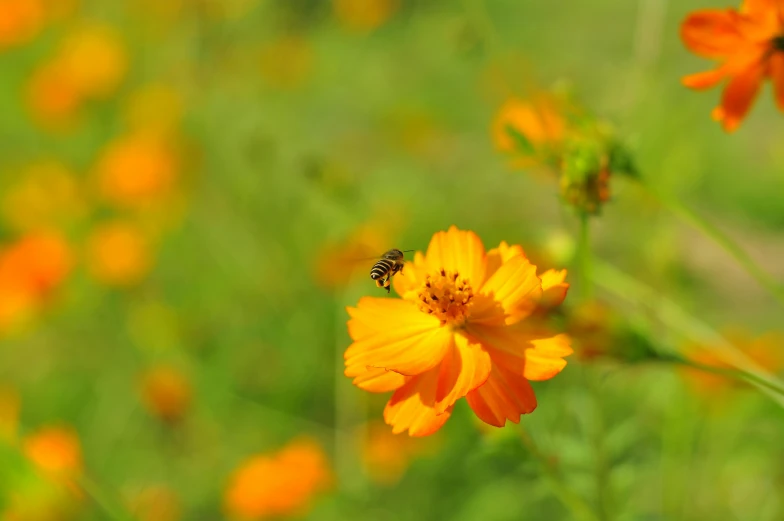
{"x": 584, "y": 257}
{"x": 579, "y": 508}
{"x": 721, "y": 239}
{"x": 110, "y": 505}
{"x": 598, "y": 436}
{"x": 677, "y": 319}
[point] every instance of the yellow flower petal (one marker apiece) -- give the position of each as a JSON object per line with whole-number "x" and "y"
{"x": 393, "y": 334}
{"x": 464, "y": 368}
{"x": 554, "y": 288}
{"x": 515, "y": 287}
{"x": 458, "y": 250}
{"x": 497, "y": 256}
{"x": 504, "y": 396}
{"x": 411, "y": 407}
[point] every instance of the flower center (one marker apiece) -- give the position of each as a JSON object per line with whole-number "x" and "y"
{"x": 778, "y": 43}
{"x": 447, "y": 296}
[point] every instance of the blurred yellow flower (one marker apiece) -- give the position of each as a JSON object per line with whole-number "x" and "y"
{"x": 165, "y": 393}
{"x": 137, "y": 169}
{"x": 286, "y": 63}
{"x": 94, "y": 60}
{"x": 56, "y": 452}
{"x": 386, "y": 456}
{"x": 155, "y": 503}
{"x": 459, "y": 330}
{"x": 90, "y": 63}
{"x": 46, "y": 195}
{"x": 154, "y": 109}
{"x": 279, "y": 484}
{"x": 9, "y": 413}
{"x": 30, "y": 269}
{"x": 20, "y": 21}
{"x": 118, "y": 254}
{"x": 363, "y": 15}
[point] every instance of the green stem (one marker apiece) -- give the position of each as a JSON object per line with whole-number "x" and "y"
{"x": 579, "y": 508}
{"x": 676, "y": 319}
{"x": 110, "y": 505}
{"x": 598, "y": 436}
{"x": 584, "y": 257}
{"x": 722, "y": 239}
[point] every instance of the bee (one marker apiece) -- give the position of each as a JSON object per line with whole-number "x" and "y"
{"x": 386, "y": 267}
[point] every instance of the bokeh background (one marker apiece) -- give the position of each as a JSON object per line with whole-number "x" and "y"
{"x": 187, "y": 189}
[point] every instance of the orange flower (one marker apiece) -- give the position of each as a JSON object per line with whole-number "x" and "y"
{"x": 279, "y": 484}
{"x": 765, "y": 350}
{"x": 364, "y": 15}
{"x": 539, "y": 121}
{"x": 137, "y": 169}
{"x": 56, "y": 452}
{"x": 29, "y": 270}
{"x": 20, "y": 22}
{"x": 749, "y": 42}
{"x": 52, "y": 98}
{"x": 166, "y": 393}
{"x": 118, "y": 254}
{"x": 458, "y": 331}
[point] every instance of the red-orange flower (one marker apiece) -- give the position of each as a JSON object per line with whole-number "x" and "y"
{"x": 749, "y": 42}
{"x": 458, "y": 331}
{"x": 278, "y": 484}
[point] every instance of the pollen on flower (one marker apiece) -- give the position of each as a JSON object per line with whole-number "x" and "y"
{"x": 447, "y": 296}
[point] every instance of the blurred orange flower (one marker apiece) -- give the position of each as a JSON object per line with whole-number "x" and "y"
{"x": 53, "y": 100}
{"x": 155, "y": 503}
{"x": 118, "y": 254}
{"x": 363, "y": 15}
{"x": 278, "y": 484}
{"x": 539, "y": 121}
{"x": 387, "y": 456}
{"x": 165, "y": 393}
{"x": 137, "y": 169}
{"x": 459, "y": 330}
{"x": 749, "y": 43}
{"x": 765, "y": 350}
{"x": 29, "y": 270}
{"x": 46, "y": 195}
{"x": 56, "y": 452}
{"x": 287, "y": 62}
{"x": 90, "y": 63}
{"x": 20, "y": 22}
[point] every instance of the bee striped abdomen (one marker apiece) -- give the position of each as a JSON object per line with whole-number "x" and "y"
{"x": 381, "y": 268}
